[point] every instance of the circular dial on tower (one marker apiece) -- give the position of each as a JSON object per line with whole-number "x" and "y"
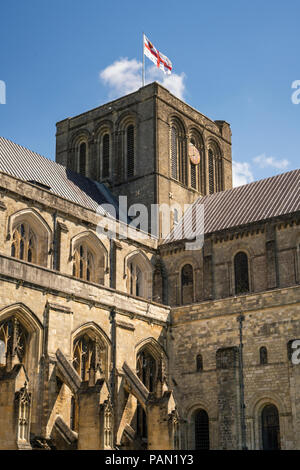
{"x": 194, "y": 154}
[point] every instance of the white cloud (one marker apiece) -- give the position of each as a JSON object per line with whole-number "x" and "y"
{"x": 122, "y": 77}
{"x": 174, "y": 83}
{"x": 125, "y": 76}
{"x": 241, "y": 173}
{"x": 263, "y": 161}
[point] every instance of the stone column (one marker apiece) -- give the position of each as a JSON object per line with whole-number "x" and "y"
{"x": 160, "y": 422}
{"x": 92, "y": 417}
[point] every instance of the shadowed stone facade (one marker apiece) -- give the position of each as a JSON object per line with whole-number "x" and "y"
{"x": 114, "y": 343}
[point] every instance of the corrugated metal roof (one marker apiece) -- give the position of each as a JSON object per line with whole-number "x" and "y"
{"x": 29, "y": 166}
{"x": 243, "y": 205}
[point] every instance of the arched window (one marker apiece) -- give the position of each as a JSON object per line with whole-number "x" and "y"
{"x": 146, "y": 369}
{"x": 215, "y": 169}
{"x": 82, "y": 153}
{"x": 85, "y": 356}
{"x": 89, "y": 358}
{"x": 139, "y": 272}
{"x": 201, "y": 430}
{"x": 13, "y": 340}
{"x": 174, "y": 153}
{"x": 241, "y": 273}
{"x": 187, "y": 284}
{"x": 83, "y": 266}
{"x": 24, "y": 243}
{"x": 270, "y": 428}
{"x": 263, "y": 355}
{"x": 199, "y": 363}
{"x": 178, "y": 151}
{"x": 105, "y": 168}
{"x": 130, "y": 147}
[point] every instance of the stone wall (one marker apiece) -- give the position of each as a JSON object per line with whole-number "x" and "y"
{"x": 271, "y": 320}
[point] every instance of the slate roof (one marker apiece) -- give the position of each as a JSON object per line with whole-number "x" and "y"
{"x": 29, "y": 166}
{"x": 253, "y": 202}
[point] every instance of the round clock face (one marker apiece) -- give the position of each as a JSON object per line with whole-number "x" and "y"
{"x": 194, "y": 154}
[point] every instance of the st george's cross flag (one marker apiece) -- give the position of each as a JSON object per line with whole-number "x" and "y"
{"x": 157, "y": 57}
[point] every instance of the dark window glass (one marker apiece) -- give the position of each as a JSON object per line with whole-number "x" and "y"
{"x": 201, "y": 430}
{"x": 193, "y": 176}
{"x": 241, "y": 273}
{"x": 211, "y": 173}
{"x": 263, "y": 355}
{"x": 270, "y": 428}
{"x": 82, "y": 159}
{"x": 105, "y": 156}
{"x": 21, "y": 249}
{"x": 187, "y": 275}
{"x": 199, "y": 362}
{"x": 130, "y": 150}
{"x": 146, "y": 370}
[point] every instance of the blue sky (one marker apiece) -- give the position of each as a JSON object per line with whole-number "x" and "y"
{"x": 232, "y": 60}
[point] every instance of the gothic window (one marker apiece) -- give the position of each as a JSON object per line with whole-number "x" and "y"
{"x": 241, "y": 273}
{"x": 24, "y": 243}
{"x": 270, "y": 428}
{"x": 86, "y": 356}
{"x": 83, "y": 266}
{"x": 187, "y": 284}
{"x": 130, "y": 144}
{"x": 13, "y": 340}
{"x": 138, "y": 273}
{"x": 82, "y": 158}
{"x": 263, "y": 355}
{"x": 201, "y": 430}
{"x": 199, "y": 363}
{"x": 146, "y": 370}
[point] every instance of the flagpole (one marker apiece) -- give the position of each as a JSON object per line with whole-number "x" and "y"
{"x": 143, "y": 69}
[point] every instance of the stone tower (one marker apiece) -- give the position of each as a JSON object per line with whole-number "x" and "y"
{"x": 149, "y": 146}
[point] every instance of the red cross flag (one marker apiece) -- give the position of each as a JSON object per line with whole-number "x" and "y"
{"x": 157, "y": 57}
